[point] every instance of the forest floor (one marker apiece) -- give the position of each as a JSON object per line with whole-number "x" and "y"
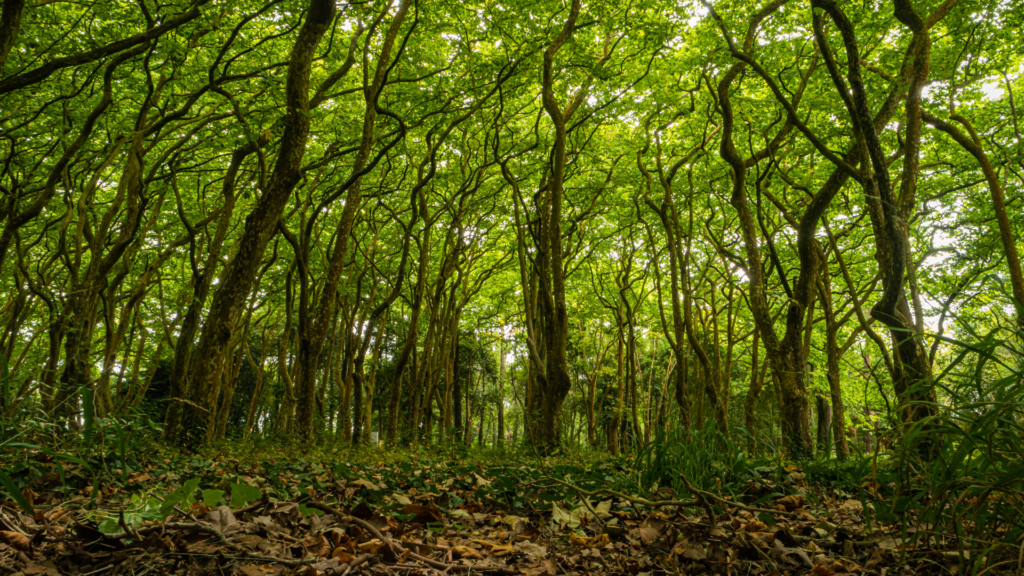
{"x": 417, "y": 512}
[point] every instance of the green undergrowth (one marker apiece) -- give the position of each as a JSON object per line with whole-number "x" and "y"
{"x": 969, "y": 487}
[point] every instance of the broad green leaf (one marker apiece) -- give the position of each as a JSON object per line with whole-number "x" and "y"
{"x": 242, "y": 494}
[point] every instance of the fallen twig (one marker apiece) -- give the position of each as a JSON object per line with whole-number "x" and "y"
{"x": 255, "y": 505}
{"x": 633, "y": 499}
{"x": 703, "y": 502}
{"x": 723, "y": 501}
{"x": 405, "y": 552}
{"x": 256, "y": 558}
{"x": 356, "y": 562}
{"x": 169, "y": 526}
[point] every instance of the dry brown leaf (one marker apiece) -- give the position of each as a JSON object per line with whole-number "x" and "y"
{"x": 372, "y": 546}
{"x": 223, "y": 519}
{"x": 822, "y": 570}
{"x": 16, "y": 540}
{"x": 531, "y": 549}
{"x": 792, "y": 501}
{"x": 503, "y": 550}
{"x": 649, "y": 534}
{"x": 467, "y": 553}
{"x": 756, "y": 526}
{"x": 496, "y": 549}
{"x": 843, "y": 565}
{"x": 794, "y": 555}
{"x": 342, "y": 556}
{"x": 543, "y": 568}
{"x": 44, "y": 569}
{"x": 695, "y": 553}
{"x": 585, "y": 542}
{"x": 852, "y": 506}
{"x": 365, "y": 484}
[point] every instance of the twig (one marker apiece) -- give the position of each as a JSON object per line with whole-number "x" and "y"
{"x": 356, "y": 562}
{"x": 125, "y": 527}
{"x": 172, "y": 526}
{"x": 703, "y": 502}
{"x": 359, "y": 522}
{"x": 471, "y": 567}
{"x": 586, "y": 502}
{"x": 179, "y": 510}
{"x": 395, "y": 547}
{"x": 633, "y": 499}
{"x": 261, "y": 502}
{"x": 725, "y": 502}
{"x": 255, "y": 557}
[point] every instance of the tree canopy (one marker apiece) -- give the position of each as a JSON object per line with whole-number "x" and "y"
{"x": 545, "y": 223}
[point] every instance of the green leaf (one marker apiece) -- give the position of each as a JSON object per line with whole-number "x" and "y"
{"x": 306, "y": 511}
{"x": 242, "y": 494}
{"x": 44, "y": 450}
{"x": 178, "y": 496}
{"x": 212, "y": 497}
{"x": 14, "y": 493}
{"x": 109, "y": 526}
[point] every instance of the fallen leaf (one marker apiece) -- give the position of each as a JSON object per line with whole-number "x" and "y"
{"x": 792, "y": 501}
{"x": 372, "y": 546}
{"x": 467, "y": 553}
{"x": 503, "y": 550}
{"x": 531, "y": 549}
{"x": 223, "y": 520}
{"x": 562, "y": 519}
{"x": 585, "y": 542}
{"x": 649, "y": 534}
{"x": 44, "y": 569}
{"x": 796, "y": 556}
{"x": 695, "y": 553}
{"x": 422, "y": 514}
{"x": 365, "y": 484}
{"x": 822, "y": 570}
{"x": 342, "y": 555}
{"x": 843, "y": 565}
{"x": 16, "y": 540}
{"x": 852, "y": 506}
{"x": 544, "y": 568}
{"x": 756, "y": 526}
{"x": 824, "y": 528}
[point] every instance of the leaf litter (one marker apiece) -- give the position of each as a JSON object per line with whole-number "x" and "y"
{"x": 422, "y": 517}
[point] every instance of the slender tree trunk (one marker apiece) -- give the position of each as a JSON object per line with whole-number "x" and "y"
{"x": 613, "y": 428}
{"x": 499, "y": 435}
{"x": 260, "y": 227}
{"x": 824, "y": 425}
{"x": 833, "y": 356}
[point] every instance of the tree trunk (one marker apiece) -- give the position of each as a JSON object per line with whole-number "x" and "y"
{"x": 620, "y": 386}
{"x": 824, "y": 425}
{"x": 499, "y": 435}
{"x": 260, "y": 226}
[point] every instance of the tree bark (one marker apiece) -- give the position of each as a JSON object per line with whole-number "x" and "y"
{"x": 260, "y": 226}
